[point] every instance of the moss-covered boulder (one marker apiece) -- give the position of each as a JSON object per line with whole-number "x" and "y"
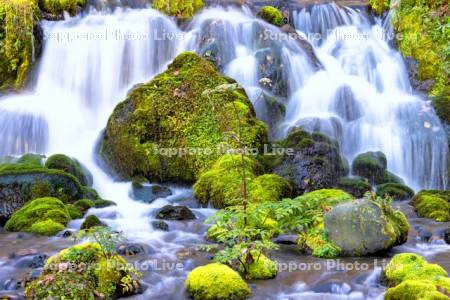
{"x": 58, "y": 7}
{"x": 396, "y": 191}
{"x": 109, "y": 276}
{"x": 176, "y": 126}
{"x": 18, "y": 45}
{"x": 373, "y": 166}
{"x": 72, "y": 166}
{"x": 101, "y": 203}
{"x": 91, "y": 221}
{"x": 356, "y": 186}
{"x": 433, "y": 204}
{"x": 84, "y": 204}
{"x": 311, "y": 161}
{"x": 365, "y": 227}
{"x": 216, "y": 281}
{"x": 182, "y": 9}
{"x": 271, "y": 15}
{"x": 45, "y": 216}
{"x": 222, "y": 184}
{"x": 410, "y": 276}
{"x": 258, "y": 266}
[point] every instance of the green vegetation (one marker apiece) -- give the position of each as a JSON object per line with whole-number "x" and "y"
{"x": 271, "y": 15}
{"x": 216, "y": 281}
{"x": 68, "y": 165}
{"x": 84, "y": 204}
{"x": 396, "y": 191}
{"x": 17, "y": 21}
{"x": 57, "y": 7}
{"x": 90, "y": 222}
{"x": 45, "y": 216}
{"x": 379, "y": 6}
{"x": 410, "y": 276}
{"x": 259, "y": 267}
{"x": 222, "y": 184}
{"x": 190, "y": 107}
{"x": 433, "y": 204}
{"x": 182, "y": 9}
{"x": 97, "y": 272}
{"x": 355, "y": 186}
{"x": 425, "y": 29}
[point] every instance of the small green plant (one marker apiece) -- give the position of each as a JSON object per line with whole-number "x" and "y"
{"x": 107, "y": 238}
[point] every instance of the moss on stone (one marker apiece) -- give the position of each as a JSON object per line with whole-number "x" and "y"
{"x": 261, "y": 267}
{"x": 182, "y": 9}
{"x": 271, "y": 15}
{"x": 101, "y": 203}
{"x": 74, "y": 212}
{"x": 84, "y": 204}
{"x": 39, "y": 216}
{"x": 370, "y": 165}
{"x": 319, "y": 245}
{"x": 433, "y": 204}
{"x": 355, "y": 186}
{"x": 176, "y": 126}
{"x": 379, "y": 6}
{"x": 222, "y": 184}
{"x": 91, "y": 221}
{"x": 64, "y": 163}
{"x": 18, "y": 19}
{"x": 31, "y": 159}
{"x": 395, "y": 190}
{"x": 216, "y": 281}
{"x": 57, "y": 7}
{"x": 415, "y": 290}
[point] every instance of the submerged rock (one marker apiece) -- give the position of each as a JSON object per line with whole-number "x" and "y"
{"x": 216, "y": 281}
{"x": 148, "y": 194}
{"x": 160, "y": 225}
{"x": 315, "y": 163}
{"x": 132, "y": 249}
{"x": 433, "y": 204}
{"x": 364, "y": 227}
{"x": 188, "y": 108}
{"x": 170, "y": 212}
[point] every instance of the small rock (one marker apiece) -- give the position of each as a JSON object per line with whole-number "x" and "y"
{"x": 170, "y": 212}
{"x": 424, "y": 234}
{"x": 150, "y": 193}
{"x": 445, "y": 235}
{"x": 67, "y": 233}
{"x": 286, "y": 239}
{"x": 32, "y": 261}
{"x": 131, "y": 249}
{"x": 160, "y": 225}
{"x": 9, "y": 284}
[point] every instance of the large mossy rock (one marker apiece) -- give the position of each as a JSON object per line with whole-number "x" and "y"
{"x": 99, "y": 275}
{"x": 356, "y": 186}
{"x": 182, "y": 9}
{"x": 222, "y": 184}
{"x": 44, "y": 216}
{"x": 216, "y": 281}
{"x": 271, "y": 15}
{"x": 365, "y": 227}
{"x": 69, "y": 165}
{"x": 315, "y": 163}
{"x": 396, "y": 191}
{"x": 18, "y": 22}
{"x": 410, "y": 276}
{"x": 433, "y": 204}
{"x": 373, "y": 166}
{"x": 190, "y": 108}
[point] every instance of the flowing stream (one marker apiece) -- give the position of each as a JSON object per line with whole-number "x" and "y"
{"x": 360, "y": 95}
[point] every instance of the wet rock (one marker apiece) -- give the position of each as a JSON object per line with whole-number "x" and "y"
{"x": 160, "y": 225}
{"x": 132, "y": 249}
{"x": 9, "y": 284}
{"x": 363, "y": 227}
{"x": 179, "y": 213}
{"x": 23, "y": 253}
{"x": 356, "y": 186}
{"x": 67, "y": 233}
{"x": 150, "y": 193}
{"x": 91, "y": 221}
{"x": 445, "y": 235}
{"x": 345, "y": 104}
{"x": 286, "y": 239}
{"x": 373, "y": 166}
{"x": 396, "y": 191}
{"x": 424, "y": 234}
{"x": 32, "y": 261}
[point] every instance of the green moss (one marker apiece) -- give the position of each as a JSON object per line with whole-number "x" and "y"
{"x": 415, "y": 290}
{"x": 222, "y": 184}
{"x": 39, "y": 216}
{"x": 189, "y": 108}
{"x": 74, "y": 212}
{"x": 182, "y": 9}
{"x": 355, "y": 186}
{"x": 57, "y": 7}
{"x": 98, "y": 276}
{"x": 84, "y": 204}
{"x": 17, "y": 21}
{"x": 395, "y": 190}
{"x": 423, "y": 26}
{"x": 31, "y": 159}
{"x": 41, "y": 189}
{"x": 91, "y": 221}
{"x": 260, "y": 267}
{"x": 68, "y": 165}
{"x": 325, "y": 198}
{"x": 433, "y": 204}
{"x": 216, "y": 281}
{"x": 101, "y": 203}
{"x": 319, "y": 245}
{"x": 379, "y": 6}
{"x": 271, "y": 15}
{"x": 370, "y": 165}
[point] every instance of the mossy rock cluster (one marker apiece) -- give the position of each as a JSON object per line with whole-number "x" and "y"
{"x": 43, "y": 216}
{"x": 216, "y": 281}
{"x": 433, "y": 204}
{"x": 222, "y": 184}
{"x": 100, "y": 275}
{"x": 182, "y": 9}
{"x": 423, "y": 26}
{"x": 411, "y": 277}
{"x": 396, "y": 191}
{"x": 356, "y": 186}
{"x": 176, "y": 126}
{"x": 271, "y": 15}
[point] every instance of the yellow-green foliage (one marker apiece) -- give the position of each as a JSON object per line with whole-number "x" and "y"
{"x": 17, "y": 21}
{"x": 93, "y": 274}
{"x": 223, "y": 185}
{"x": 216, "y": 281}
{"x": 260, "y": 267}
{"x": 412, "y": 277}
{"x": 379, "y": 6}
{"x": 189, "y": 107}
{"x": 45, "y": 216}
{"x": 271, "y": 15}
{"x": 182, "y": 9}
{"x": 59, "y": 6}
{"x": 433, "y": 204}
{"x": 425, "y": 31}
